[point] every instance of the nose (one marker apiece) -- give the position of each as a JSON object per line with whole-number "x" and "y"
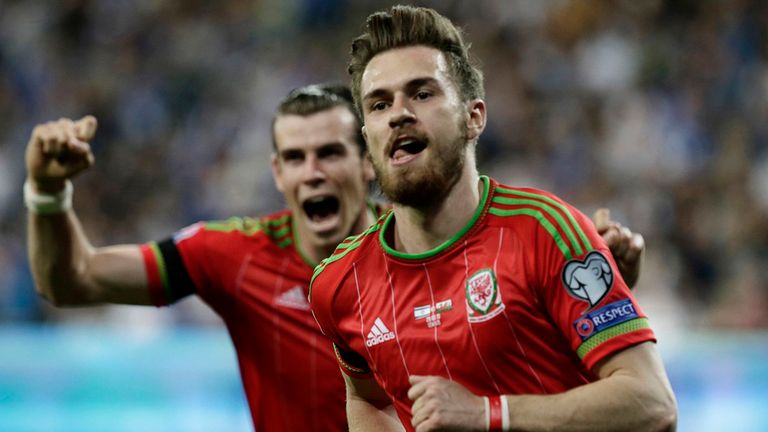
{"x": 313, "y": 173}
{"x": 401, "y": 112}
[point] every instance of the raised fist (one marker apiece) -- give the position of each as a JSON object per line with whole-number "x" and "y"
{"x": 59, "y": 150}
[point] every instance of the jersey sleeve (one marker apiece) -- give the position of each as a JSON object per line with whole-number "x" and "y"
{"x": 167, "y": 263}
{"x": 583, "y": 290}
{"x": 328, "y": 308}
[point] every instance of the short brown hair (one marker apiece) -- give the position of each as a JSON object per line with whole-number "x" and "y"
{"x": 404, "y": 26}
{"x": 315, "y": 98}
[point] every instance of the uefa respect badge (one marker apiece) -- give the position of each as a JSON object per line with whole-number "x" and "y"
{"x": 483, "y": 296}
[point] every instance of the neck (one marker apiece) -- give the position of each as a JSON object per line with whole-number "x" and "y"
{"x": 419, "y": 230}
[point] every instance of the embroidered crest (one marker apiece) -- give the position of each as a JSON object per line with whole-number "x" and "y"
{"x": 483, "y": 297}
{"x": 588, "y": 280}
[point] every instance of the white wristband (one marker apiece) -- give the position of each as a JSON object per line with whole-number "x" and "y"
{"x": 504, "y": 413}
{"x": 487, "y": 413}
{"x": 42, "y": 203}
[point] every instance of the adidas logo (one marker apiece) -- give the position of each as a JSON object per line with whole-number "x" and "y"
{"x": 294, "y": 298}
{"x": 379, "y": 333}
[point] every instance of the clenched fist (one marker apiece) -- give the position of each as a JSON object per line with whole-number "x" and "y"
{"x": 441, "y": 404}
{"x": 57, "y": 151}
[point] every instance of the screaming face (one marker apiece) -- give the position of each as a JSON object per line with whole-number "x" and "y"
{"x": 320, "y": 170}
{"x": 415, "y": 125}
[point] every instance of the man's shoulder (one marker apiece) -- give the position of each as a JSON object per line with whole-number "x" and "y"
{"x": 516, "y": 201}
{"x": 539, "y": 214}
{"x": 238, "y": 235}
{"x": 506, "y": 191}
{"x": 276, "y": 226}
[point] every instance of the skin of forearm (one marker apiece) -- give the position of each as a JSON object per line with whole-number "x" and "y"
{"x": 58, "y": 255}
{"x": 363, "y": 416}
{"x": 618, "y": 403}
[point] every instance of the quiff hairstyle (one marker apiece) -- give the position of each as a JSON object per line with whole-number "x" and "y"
{"x": 404, "y": 26}
{"x": 315, "y": 98}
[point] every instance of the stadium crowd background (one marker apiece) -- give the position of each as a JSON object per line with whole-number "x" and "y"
{"x": 656, "y": 109}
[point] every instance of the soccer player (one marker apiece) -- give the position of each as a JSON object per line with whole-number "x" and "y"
{"x": 473, "y": 305}
{"x": 253, "y": 272}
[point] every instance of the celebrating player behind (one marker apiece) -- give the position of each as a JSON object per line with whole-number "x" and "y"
{"x": 473, "y": 305}
{"x": 253, "y": 272}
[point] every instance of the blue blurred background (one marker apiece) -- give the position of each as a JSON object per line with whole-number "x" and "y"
{"x": 656, "y": 109}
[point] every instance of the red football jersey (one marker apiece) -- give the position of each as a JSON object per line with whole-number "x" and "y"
{"x": 251, "y": 273}
{"x": 525, "y": 299}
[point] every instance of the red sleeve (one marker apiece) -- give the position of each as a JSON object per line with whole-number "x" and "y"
{"x": 328, "y": 310}
{"x": 167, "y": 265}
{"x": 153, "y": 263}
{"x": 583, "y": 290}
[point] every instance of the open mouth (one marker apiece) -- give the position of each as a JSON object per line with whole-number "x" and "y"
{"x": 406, "y": 147}
{"x": 321, "y": 208}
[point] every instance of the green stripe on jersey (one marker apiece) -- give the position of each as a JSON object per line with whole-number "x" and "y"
{"x": 279, "y": 221}
{"x": 551, "y": 211}
{"x": 346, "y": 243}
{"x": 163, "y": 271}
{"x": 284, "y": 243}
{"x": 565, "y": 226}
{"x": 277, "y": 229}
{"x": 539, "y": 216}
{"x": 610, "y": 333}
{"x": 277, "y": 233}
{"x": 247, "y": 225}
{"x": 280, "y": 231}
{"x": 557, "y": 205}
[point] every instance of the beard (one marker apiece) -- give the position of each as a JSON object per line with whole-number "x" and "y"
{"x": 425, "y": 187}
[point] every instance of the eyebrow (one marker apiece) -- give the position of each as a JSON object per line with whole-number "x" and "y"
{"x": 290, "y": 152}
{"x": 330, "y": 145}
{"x": 410, "y": 87}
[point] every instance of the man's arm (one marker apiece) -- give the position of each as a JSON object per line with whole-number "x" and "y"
{"x": 633, "y": 393}
{"x": 67, "y": 269}
{"x": 368, "y": 407}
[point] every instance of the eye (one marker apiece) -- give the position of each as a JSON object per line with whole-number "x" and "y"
{"x": 379, "y": 106}
{"x": 423, "y": 95}
{"x": 292, "y": 157}
{"x": 332, "y": 151}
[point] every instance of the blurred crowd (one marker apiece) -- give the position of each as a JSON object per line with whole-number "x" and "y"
{"x": 656, "y": 109}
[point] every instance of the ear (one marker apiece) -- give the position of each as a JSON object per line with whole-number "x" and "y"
{"x": 476, "y": 117}
{"x": 364, "y": 132}
{"x": 277, "y": 172}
